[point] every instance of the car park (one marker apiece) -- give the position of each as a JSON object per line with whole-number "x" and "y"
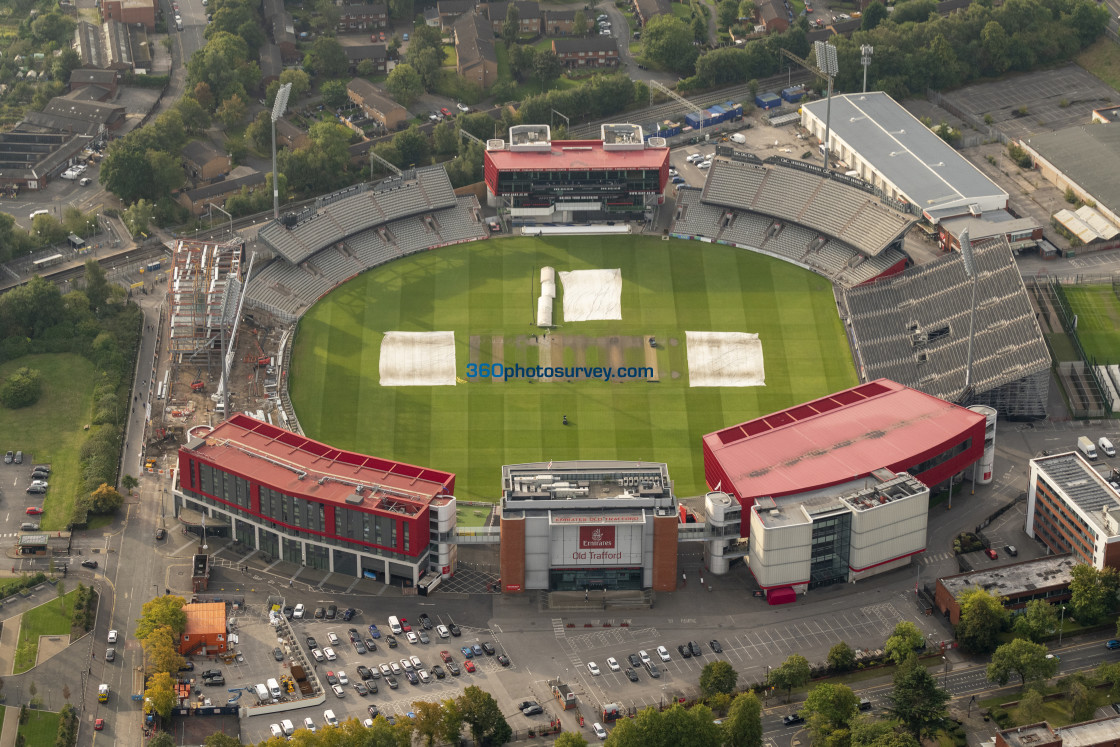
{"x": 631, "y": 675}
{"x": 593, "y": 668}
{"x": 714, "y": 644}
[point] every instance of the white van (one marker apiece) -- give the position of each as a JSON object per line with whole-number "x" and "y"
{"x": 288, "y": 727}
{"x": 1107, "y": 447}
{"x": 276, "y": 730}
{"x": 739, "y": 137}
{"x": 262, "y": 693}
{"x": 395, "y": 626}
{"x": 38, "y": 212}
{"x": 274, "y": 689}
{"x": 330, "y": 718}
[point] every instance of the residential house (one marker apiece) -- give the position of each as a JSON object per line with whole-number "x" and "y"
{"x": 451, "y": 10}
{"x": 290, "y": 136}
{"x": 647, "y": 9}
{"x": 357, "y": 53}
{"x": 773, "y": 14}
{"x": 279, "y": 22}
{"x": 592, "y": 51}
{"x": 353, "y": 18}
{"x": 559, "y": 22}
{"x": 528, "y": 14}
{"x": 272, "y": 63}
{"x": 130, "y": 12}
{"x": 476, "y": 59}
{"x": 205, "y": 632}
{"x": 195, "y": 200}
{"x": 204, "y": 162}
{"x": 376, "y": 104}
{"x": 431, "y": 17}
{"x": 104, "y": 79}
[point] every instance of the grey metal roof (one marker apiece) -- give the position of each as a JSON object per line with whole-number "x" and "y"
{"x": 1015, "y": 579}
{"x": 1080, "y": 483}
{"x": 907, "y": 153}
{"x": 1089, "y": 155}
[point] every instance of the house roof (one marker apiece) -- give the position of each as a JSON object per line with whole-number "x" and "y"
{"x": 559, "y": 15}
{"x": 1089, "y": 155}
{"x": 650, "y": 8}
{"x": 289, "y": 130}
{"x": 105, "y": 78}
{"x": 525, "y": 9}
{"x": 205, "y": 618}
{"x": 769, "y": 10}
{"x": 586, "y": 44}
{"x": 89, "y": 93}
{"x": 358, "y": 11}
{"x": 372, "y": 96}
{"x": 359, "y": 52}
{"x": 201, "y": 152}
{"x": 68, "y": 115}
{"x": 454, "y": 7}
{"x": 225, "y": 187}
{"x": 474, "y": 40}
{"x": 272, "y": 63}
{"x": 87, "y": 39}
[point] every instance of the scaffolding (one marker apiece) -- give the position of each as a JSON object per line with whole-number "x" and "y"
{"x": 204, "y": 285}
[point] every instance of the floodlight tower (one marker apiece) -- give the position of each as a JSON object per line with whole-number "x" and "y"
{"x": 865, "y": 51}
{"x": 970, "y": 271}
{"x": 830, "y": 66}
{"x": 279, "y": 105}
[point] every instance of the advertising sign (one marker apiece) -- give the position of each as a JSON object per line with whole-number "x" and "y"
{"x": 596, "y": 545}
{"x": 596, "y": 538}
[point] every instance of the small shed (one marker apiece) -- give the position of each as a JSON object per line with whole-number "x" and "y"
{"x": 768, "y": 101}
{"x": 75, "y": 241}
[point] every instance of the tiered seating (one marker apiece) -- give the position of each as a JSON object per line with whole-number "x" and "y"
{"x": 459, "y": 223}
{"x": 833, "y": 257}
{"x": 747, "y": 229}
{"x": 791, "y": 242}
{"x": 696, "y": 218}
{"x": 412, "y": 235}
{"x": 335, "y": 265}
{"x": 370, "y": 250}
{"x": 356, "y": 213}
{"x": 734, "y": 183}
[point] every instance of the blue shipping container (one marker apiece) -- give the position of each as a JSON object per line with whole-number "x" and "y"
{"x": 718, "y": 114}
{"x": 767, "y": 101}
{"x": 793, "y": 94}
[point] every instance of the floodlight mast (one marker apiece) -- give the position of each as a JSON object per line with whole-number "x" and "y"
{"x": 827, "y": 66}
{"x": 279, "y": 106}
{"x": 865, "y": 50}
{"x": 970, "y": 271}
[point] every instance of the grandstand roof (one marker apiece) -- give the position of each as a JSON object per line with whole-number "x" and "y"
{"x": 919, "y": 164}
{"x": 1088, "y": 155}
{"x": 578, "y": 154}
{"x": 835, "y": 439}
{"x": 914, "y": 327}
{"x": 278, "y": 458}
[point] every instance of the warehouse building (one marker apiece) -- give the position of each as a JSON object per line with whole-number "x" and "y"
{"x": 588, "y": 526}
{"x": 1016, "y": 584}
{"x": 307, "y": 503}
{"x": 1072, "y": 509}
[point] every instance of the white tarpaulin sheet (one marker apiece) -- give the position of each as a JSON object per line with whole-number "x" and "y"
{"x": 592, "y": 295}
{"x": 724, "y": 359}
{"x": 544, "y": 311}
{"x": 417, "y": 359}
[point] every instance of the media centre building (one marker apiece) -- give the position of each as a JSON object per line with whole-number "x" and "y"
{"x": 588, "y": 526}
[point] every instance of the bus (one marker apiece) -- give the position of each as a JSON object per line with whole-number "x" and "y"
{"x": 54, "y": 259}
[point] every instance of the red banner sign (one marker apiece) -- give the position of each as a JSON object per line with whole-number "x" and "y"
{"x": 596, "y": 538}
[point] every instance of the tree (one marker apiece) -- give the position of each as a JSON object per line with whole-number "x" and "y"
{"x": 47, "y": 230}
{"x": 400, "y": 9}
{"x": 983, "y": 616}
{"x": 1030, "y": 705}
{"x": 22, "y": 388}
{"x": 874, "y": 14}
{"x": 546, "y": 66}
{"x": 195, "y": 117}
{"x": 301, "y": 82}
{"x": 718, "y": 677}
{"x": 404, "y": 84}
{"x": 97, "y": 285}
{"x": 914, "y": 10}
{"x": 1110, "y": 672}
{"x": 728, "y": 13}
{"x": 904, "y": 640}
{"x": 1024, "y": 658}
{"x": 1080, "y": 700}
{"x": 232, "y": 111}
{"x": 60, "y": 587}
{"x": 445, "y": 138}
{"x": 828, "y": 709}
{"x": 160, "y": 696}
{"x": 1092, "y": 593}
{"x": 511, "y": 27}
{"x": 165, "y": 611}
{"x": 328, "y": 58}
{"x": 67, "y": 62}
{"x": 161, "y": 651}
{"x": 746, "y": 9}
{"x": 483, "y": 716}
{"x": 138, "y": 216}
{"x": 413, "y": 146}
{"x": 368, "y": 67}
{"x": 334, "y": 92}
{"x": 743, "y": 725}
{"x": 916, "y": 700}
{"x": 52, "y": 27}
{"x": 793, "y": 672}
{"x": 203, "y": 95}
{"x": 867, "y": 732}
{"x": 580, "y": 24}
{"x": 841, "y": 657}
{"x": 1038, "y": 621}
{"x": 570, "y": 739}
{"x": 675, "y": 727}
{"x": 521, "y": 58}
{"x": 668, "y": 40}
{"x": 129, "y": 483}
{"x": 699, "y": 29}
{"x": 163, "y": 739}
{"x": 451, "y": 728}
{"x": 429, "y": 718}
{"x": 105, "y": 500}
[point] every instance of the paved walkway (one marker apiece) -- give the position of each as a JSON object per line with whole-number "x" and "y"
{"x": 8, "y": 640}
{"x": 11, "y": 727}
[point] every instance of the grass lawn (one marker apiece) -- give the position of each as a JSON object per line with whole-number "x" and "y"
{"x": 471, "y": 516}
{"x": 1058, "y": 712}
{"x": 41, "y": 727}
{"x": 682, "y": 11}
{"x": 449, "y": 58}
{"x": 50, "y": 618}
{"x": 1098, "y": 320}
{"x": 51, "y": 429}
{"x": 488, "y": 290}
{"x": 1102, "y": 59}
{"x": 1062, "y": 346}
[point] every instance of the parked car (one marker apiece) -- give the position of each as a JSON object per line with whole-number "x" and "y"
{"x": 715, "y": 646}
{"x": 644, "y": 657}
{"x": 437, "y": 670}
{"x": 532, "y": 710}
{"x": 467, "y": 652}
{"x": 9, "y": 457}
{"x": 684, "y": 651}
{"x": 442, "y": 632}
{"x": 991, "y": 553}
{"x": 161, "y": 533}
{"x": 311, "y": 642}
{"x": 469, "y": 665}
{"x": 317, "y": 655}
{"x": 455, "y": 632}
{"x": 503, "y": 660}
{"x": 631, "y": 675}
{"x": 695, "y": 648}
{"x": 600, "y": 732}
{"x": 332, "y": 612}
{"x": 332, "y": 639}
{"x": 425, "y": 621}
{"x": 453, "y": 668}
{"x": 424, "y": 676}
{"x": 423, "y": 637}
{"x": 373, "y": 631}
{"x": 593, "y": 668}
{"x": 412, "y": 638}
{"x": 349, "y": 613}
{"x": 86, "y": 563}
{"x": 445, "y": 112}
{"x": 463, "y": 107}
{"x": 277, "y": 654}
{"x": 663, "y": 653}
{"x": 489, "y": 649}
{"x": 1011, "y": 550}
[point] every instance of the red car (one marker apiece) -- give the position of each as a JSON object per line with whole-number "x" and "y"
{"x": 405, "y": 626}
{"x": 381, "y": 36}
{"x": 445, "y": 112}
{"x": 33, "y": 511}
{"x": 991, "y": 553}
{"x": 445, "y": 656}
{"x": 99, "y": 724}
{"x": 468, "y": 665}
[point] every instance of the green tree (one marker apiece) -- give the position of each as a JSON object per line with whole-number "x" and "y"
{"x": 429, "y": 719}
{"x": 546, "y": 66}
{"x": 483, "y": 717}
{"x": 413, "y": 146}
{"x": 868, "y": 732}
{"x": 445, "y": 138}
{"x": 401, "y": 9}
{"x": 47, "y": 230}
{"x": 105, "y": 500}
{"x": 161, "y": 652}
{"x": 904, "y": 640}
{"x": 451, "y": 727}
{"x": 164, "y": 739}
{"x": 1092, "y": 593}
{"x": 728, "y": 13}
{"x": 743, "y": 725}
{"x": 668, "y": 40}
{"x": 334, "y": 92}
{"x": 580, "y": 24}
{"x": 874, "y": 14}
{"x": 203, "y": 95}
{"x": 194, "y": 115}
{"x": 570, "y": 739}
{"x": 404, "y": 84}
{"x": 129, "y": 483}
{"x": 914, "y": 10}
{"x": 165, "y": 611}
{"x": 699, "y": 29}
{"x": 983, "y": 616}
{"x": 717, "y": 677}
{"x": 521, "y": 58}
{"x": 1030, "y": 705}
{"x": 915, "y": 699}
{"x": 746, "y": 9}
{"x": 67, "y": 62}
{"x": 1081, "y": 701}
{"x": 22, "y": 388}
{"x": 167, "y": 170}
{"x": 160, "y": 696}
{"x": 1110, "y": 672}
{"x": 301, "y": 82}
{"x": 138, "y": 216}
{"x": 511, "y": 27}
{"x": 97, "y": 285}
{"x": 1038, "y": 621}
{"x": 841, "y": 657}
{"x": 368, "y": 67}
{"x": 232, "y": 111}
{"x": 793, "y": 672}
{"x": 1026, "y": 659}
{"x": 52, "y": 27}
{"x": 328, "y": 58}
{"x": 674, "y": 727}
{"x": 828, "y": 710}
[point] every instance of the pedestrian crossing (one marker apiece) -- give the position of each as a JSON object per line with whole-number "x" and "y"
{"x": 928, "y": 559}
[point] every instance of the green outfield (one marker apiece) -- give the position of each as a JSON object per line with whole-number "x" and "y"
{"x": 485, "y": 292}
{"x": 1098, "y": 320}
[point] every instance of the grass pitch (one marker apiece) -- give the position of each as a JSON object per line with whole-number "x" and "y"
{"x": 488, "y": 290}
{"x": 1098, "y": 320}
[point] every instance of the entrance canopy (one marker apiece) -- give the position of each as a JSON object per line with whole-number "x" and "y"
{"x": 781, "y": 595}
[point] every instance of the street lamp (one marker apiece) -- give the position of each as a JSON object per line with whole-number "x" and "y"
{"x": 1061, "y": 625}
{"x": 278, "y": 107}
